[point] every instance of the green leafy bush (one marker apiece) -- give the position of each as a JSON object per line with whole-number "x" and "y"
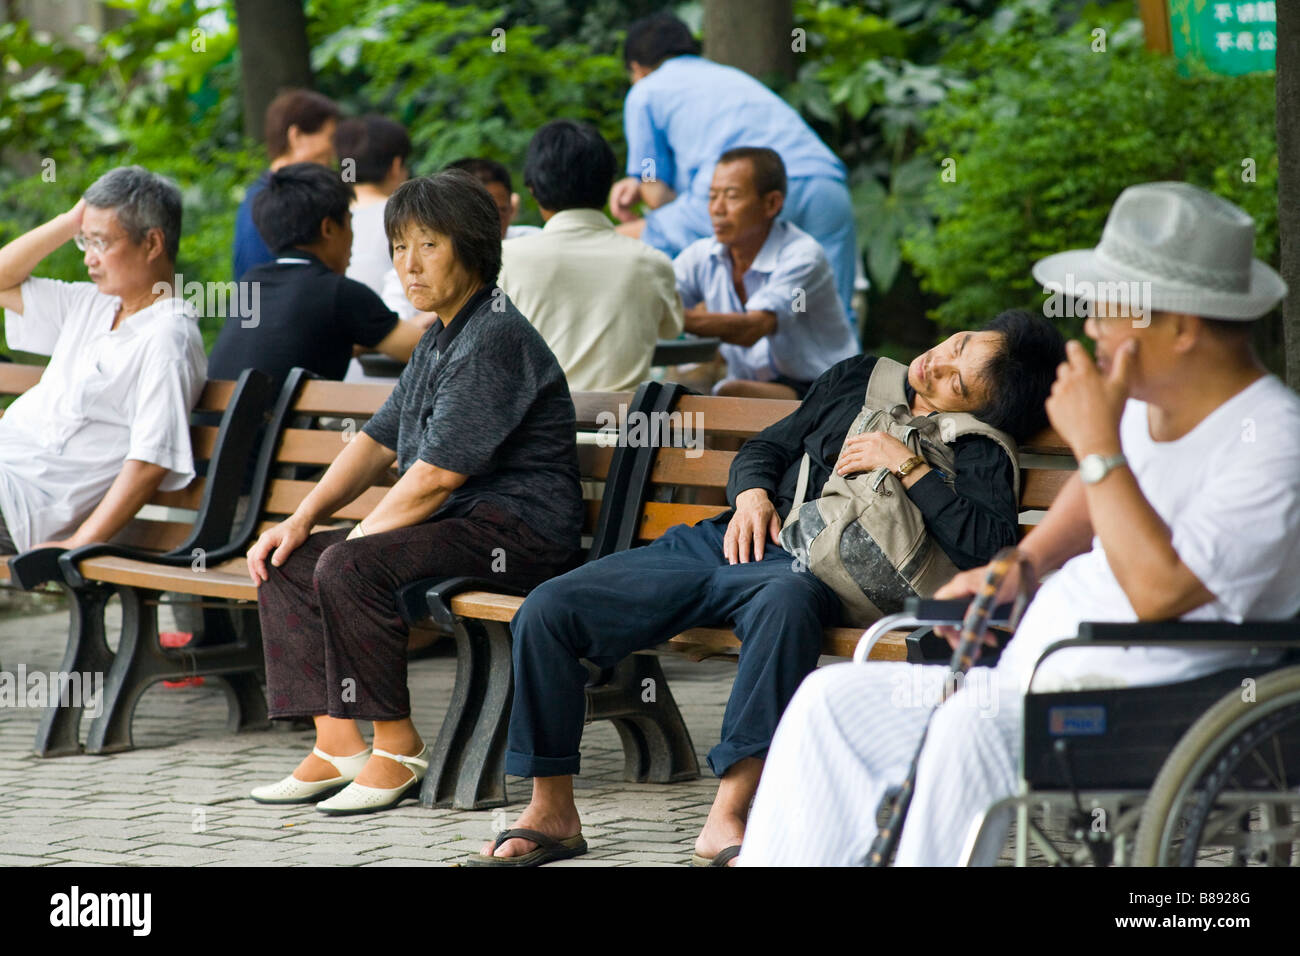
{"x": 460, "y": 89}
{"x": 1049, "y": 132}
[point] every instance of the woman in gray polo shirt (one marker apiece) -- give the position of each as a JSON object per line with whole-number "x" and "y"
{"x": 481, "y": 429}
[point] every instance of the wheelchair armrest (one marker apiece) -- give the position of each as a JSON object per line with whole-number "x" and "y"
{"x": 428, "y": 601}
{"x": 1188, "y": 635}
{"x": 33, "y": 568}
{"x": 952, "y": 611}
{"x": 1178, "y": 632}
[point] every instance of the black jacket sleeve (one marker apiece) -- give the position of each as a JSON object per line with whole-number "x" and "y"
{"x": 764, "y": 459}
{"x": 977, "y": 516}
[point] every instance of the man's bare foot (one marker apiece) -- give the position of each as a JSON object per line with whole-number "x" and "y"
{"x": 560, "y": 824}
{"x": 721, "y": 830}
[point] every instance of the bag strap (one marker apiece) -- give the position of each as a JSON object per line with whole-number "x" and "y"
{"x": 801, "y": 487}
{"x": 954, "y": 425}
{"x": 885, "y": 387}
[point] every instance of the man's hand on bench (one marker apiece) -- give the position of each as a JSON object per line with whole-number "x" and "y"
{"x": 278, "y": 542}
{"x": 754, "y": 521}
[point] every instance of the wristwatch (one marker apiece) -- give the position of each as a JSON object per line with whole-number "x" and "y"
{"x": 1093, "y": 468}
{"x": 909, "y": 466}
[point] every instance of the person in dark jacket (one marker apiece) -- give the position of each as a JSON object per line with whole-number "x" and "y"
{"x": 731, "y": 571}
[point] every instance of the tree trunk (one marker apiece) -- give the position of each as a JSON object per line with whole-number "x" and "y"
{"x": 1288, "y": 180}
{"x": 273, "y": 54}
{"x": 753, "y": 35}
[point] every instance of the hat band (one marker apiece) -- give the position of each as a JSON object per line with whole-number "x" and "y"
{"x": 1115, "y": 251}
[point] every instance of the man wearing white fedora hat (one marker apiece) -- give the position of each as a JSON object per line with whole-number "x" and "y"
{"x": 1186, "y": 505}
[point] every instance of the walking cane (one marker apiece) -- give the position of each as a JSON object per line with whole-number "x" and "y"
{"x": 897, "y": 800}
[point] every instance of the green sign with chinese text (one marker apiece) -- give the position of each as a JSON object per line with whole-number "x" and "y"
{"x": 1226, "y": 37}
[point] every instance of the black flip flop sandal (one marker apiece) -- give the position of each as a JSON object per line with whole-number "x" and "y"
{"x": 721, "y": 858}
{"x": 548, "y": 849}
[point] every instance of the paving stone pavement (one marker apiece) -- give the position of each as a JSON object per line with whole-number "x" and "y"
{"x": 180, "y": 798}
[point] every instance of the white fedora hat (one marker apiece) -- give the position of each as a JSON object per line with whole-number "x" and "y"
{"x": 1190, "y": 250}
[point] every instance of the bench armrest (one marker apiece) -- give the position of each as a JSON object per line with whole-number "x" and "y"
{"x": 69, "y": 560}
{"x": 429, "y": 600}
{"x": 33, "y": 568}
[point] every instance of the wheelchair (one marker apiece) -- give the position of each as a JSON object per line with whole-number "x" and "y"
{"x": 1205, "y": 772}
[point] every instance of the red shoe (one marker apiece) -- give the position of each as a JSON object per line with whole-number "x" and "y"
{"x": 178, "y": 639}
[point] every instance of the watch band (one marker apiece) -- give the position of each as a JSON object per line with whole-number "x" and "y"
{"x": 1093, "y": 468}
{"x": 909, "y": 466}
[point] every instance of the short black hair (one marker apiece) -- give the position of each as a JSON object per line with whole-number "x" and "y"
{"x": 372, "y": 142}
{"x": 569, "y": 166}
{"x": 1020, "y": 374}
{"x": 769, "y": 170}
{"x": 455, "y": 204}
{"x": 288, "y": 212}
{"x": 656, "y": 38}
{"x": 485, "y": 170}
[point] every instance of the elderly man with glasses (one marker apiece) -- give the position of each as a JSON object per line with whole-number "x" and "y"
{"x": 108, "y": 423}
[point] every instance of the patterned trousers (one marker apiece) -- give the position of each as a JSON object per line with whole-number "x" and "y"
{"x": 334, "y": 640}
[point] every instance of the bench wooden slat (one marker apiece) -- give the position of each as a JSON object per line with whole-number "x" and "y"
{"x": 1040, "y": 487}
{"x": 692, "y": 467}
{"x": 187, "y": 497}
{"x": 215, "y": 396}
{"x": 743, "y": 417}
{"x": 286, "y": 495}
{"x": 657, "y": 517}
{"x": 340, "y": 399}
{"x": 153, "y": 535}
{"x": 589, "y": 405}
{"x": 836, "y": 641}
{"x": 310, "y": 446}
{"x": 594, "y": 462}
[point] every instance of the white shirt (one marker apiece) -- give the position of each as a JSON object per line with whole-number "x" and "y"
{"x": 790, "y": 277}
{"x": 105, "y": 397}
{"x": 600, "y": 299}
{"x": 1230, "y": 492}
{"x": 370, "y": 261}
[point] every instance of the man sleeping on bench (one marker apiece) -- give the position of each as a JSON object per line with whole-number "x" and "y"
{"x": 108, "y": 423}
{"x": 731, "y": 570}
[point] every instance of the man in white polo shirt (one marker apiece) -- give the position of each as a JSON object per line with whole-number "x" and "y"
{"x": 108, "y": 423}
{"x": 763, "y": 286}
{"x": 601, "y": 300}
{"x": 1186, "y": 505}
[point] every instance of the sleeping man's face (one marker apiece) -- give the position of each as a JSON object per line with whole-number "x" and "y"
{"x": 950, "y": 376}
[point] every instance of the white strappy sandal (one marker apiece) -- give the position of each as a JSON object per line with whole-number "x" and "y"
{"x": 293, "y": 790}
{"x": 358, "y": 798}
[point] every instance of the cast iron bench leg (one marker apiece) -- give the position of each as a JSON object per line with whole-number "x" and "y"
{"x": 467, "y": 763}
{"x": 87, "y": 653}
{"x": 141, "y": 662}
{"x": 657, "y": 746}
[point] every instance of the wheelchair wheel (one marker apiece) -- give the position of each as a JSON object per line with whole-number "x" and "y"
{"x": 1229, "y": 793}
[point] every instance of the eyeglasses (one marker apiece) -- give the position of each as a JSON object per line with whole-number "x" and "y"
{"x": 96, "y": 245}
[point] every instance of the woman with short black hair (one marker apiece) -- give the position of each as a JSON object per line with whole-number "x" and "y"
{"x": 481, "y": 428}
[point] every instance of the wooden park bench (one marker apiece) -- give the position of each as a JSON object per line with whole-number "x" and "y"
{"x": 669, "y": 486}
{"x": 310, "y": 424}
{"x": 220, "y": 451}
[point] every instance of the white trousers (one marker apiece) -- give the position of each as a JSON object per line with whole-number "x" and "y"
{"x": 851, "y": 732}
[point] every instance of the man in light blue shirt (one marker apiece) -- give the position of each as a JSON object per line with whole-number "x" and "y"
{"x": 682, "y": 113}
{"x": 762, "y": 285}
